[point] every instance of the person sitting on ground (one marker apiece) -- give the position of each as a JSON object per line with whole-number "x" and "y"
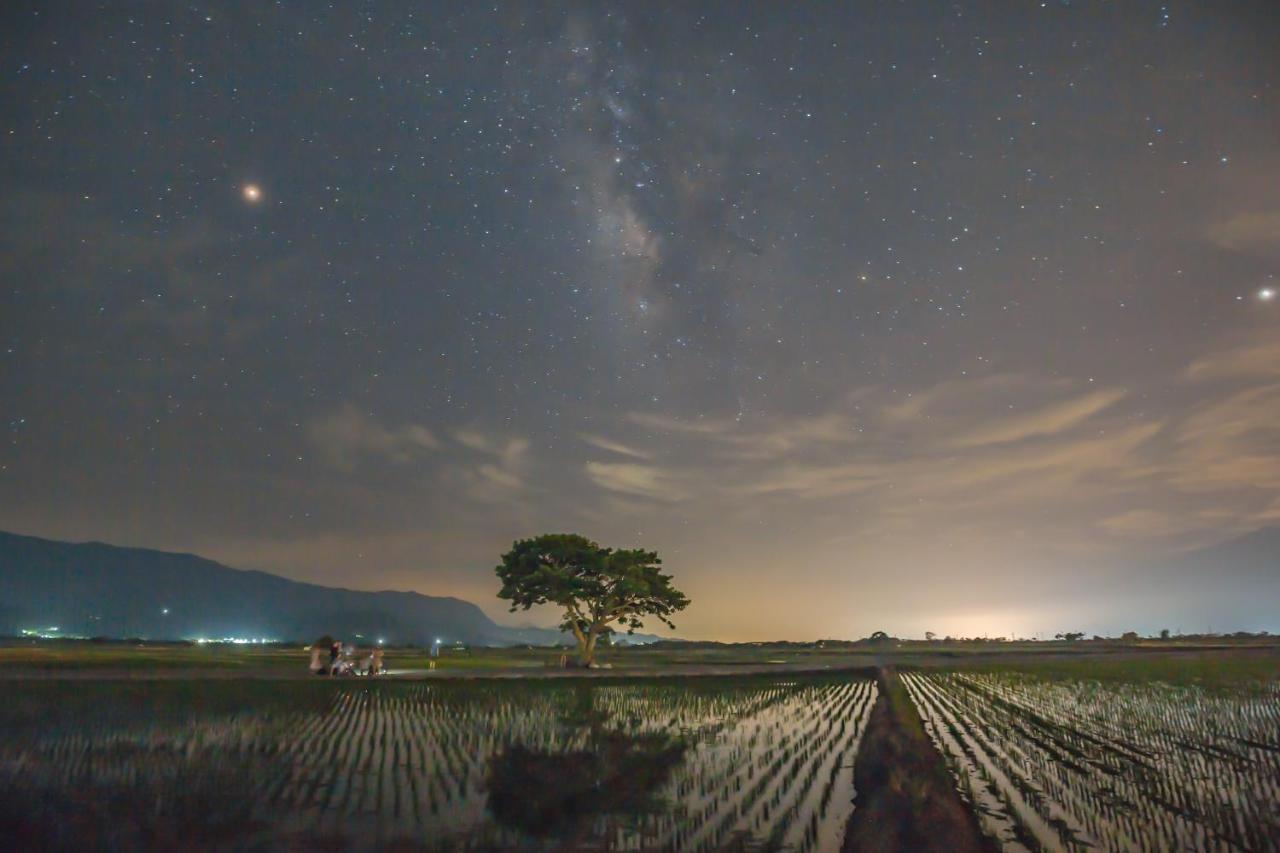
{"x": 335, "y": 651}
{"x": 346, "y": 662}
{"x": 318, "y": 666}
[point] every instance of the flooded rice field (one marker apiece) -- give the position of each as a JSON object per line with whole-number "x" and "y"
{"x": 749, "y": 763}
{"x": 1070, "y": 765}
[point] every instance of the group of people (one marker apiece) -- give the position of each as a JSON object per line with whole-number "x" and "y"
{"x": 342, "y": 660}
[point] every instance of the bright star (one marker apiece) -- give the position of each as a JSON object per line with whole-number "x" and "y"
{"x": 252, "y": 193}
{"x": 1267, "y": 294}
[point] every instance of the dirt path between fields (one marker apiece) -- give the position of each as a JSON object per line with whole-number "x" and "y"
{"x": 906, "y": 800}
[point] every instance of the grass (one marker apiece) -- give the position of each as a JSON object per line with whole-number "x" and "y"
{"x": 68, "y": 655}
{"x": 1230, "y": 670}
{"x": 83, "y": 655}
{"x": 1218, "y": 663}
{"x": 73, "y": 655}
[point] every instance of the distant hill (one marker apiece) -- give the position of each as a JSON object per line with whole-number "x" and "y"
{"x": 93, "y": 590}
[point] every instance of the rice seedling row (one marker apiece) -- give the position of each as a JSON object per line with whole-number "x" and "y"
{"x": 1133, "y": 766}
{"x": 750, "y": 761}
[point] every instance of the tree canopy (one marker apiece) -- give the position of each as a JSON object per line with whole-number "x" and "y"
{"x": 597, "y": 587}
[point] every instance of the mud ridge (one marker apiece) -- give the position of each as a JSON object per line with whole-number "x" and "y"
{"x": 905, "y": 798}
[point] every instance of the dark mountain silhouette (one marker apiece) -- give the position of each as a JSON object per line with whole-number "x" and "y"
{"x": 93, "y": 589}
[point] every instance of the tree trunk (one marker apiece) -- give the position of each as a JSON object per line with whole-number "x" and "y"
{"x": 580, "y": 637}
{"x": 587, "y": 648}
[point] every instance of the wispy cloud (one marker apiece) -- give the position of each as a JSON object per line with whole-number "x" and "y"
{"x": 1226, "y": 449}
{"x": 1231, "y": 443}
{"x": 647, "y": 481}
{"x": 758, "y": 440}
{"x": 697, "y": 426}
{"x": 615, "y": 446}
{"x": 973, "y": 454}
{"x": 1144, "y": 523}
{"x": 1247, "y": 232}
{"x": 496, "y": 472}
{"x": 510, "y": 451}
{"x": 1049, "y": 420}
{"x": 184, "y": 286}
{"x": 1247, "y": 360}
{"x": 944, "y": 398}
{"x": 795, "y": 435}
{"x": 935, "y": 474}
{"x": 349, "y": 436}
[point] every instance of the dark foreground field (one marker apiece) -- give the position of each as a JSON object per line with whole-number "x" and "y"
{"x": 770, "y": 748}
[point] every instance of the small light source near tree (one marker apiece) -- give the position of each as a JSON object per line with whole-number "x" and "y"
{"x": 597, "y": 587}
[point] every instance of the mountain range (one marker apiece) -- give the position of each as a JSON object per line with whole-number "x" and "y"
{"x": 97, "y": 590}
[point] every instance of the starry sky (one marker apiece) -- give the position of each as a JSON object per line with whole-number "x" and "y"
{"x": 864, "y": 316}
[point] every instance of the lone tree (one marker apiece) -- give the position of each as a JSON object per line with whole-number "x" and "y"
{"x": 597, "y": 587}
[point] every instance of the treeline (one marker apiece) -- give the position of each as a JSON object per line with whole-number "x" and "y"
{"x": 880, "y": 639}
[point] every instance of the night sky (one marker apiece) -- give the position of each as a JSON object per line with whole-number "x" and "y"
{"x": 865, "y": 316}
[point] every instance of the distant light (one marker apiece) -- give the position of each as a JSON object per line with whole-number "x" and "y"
{"x": 379, "y": 641}
{"x": 1267, "y": 294}
{"x": 164, "y": 611}
{"x": 252, "y": 193}
{"x": 439, "y": 641}
{"x": 50, "y": 633}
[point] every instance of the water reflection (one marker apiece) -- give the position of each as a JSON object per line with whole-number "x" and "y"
{"x": 691, "y": 766}
{"x": 547, "y": 794}
{"x": 618, "y": 773}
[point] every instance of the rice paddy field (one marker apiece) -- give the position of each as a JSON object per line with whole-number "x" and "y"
{"x": 1141, "y": 751}
{"x": 706, "y": 764}
{"x": 1124, "y": 758}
